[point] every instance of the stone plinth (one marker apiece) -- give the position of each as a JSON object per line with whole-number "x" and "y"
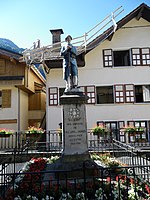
{"x": 75, "y": 156}
{"x": 74, "y": 124}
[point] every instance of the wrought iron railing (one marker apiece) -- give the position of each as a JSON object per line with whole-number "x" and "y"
{"x": 52, "y": 141}
{"x": 137, "y": 167}
{"x": 105, "y": 183}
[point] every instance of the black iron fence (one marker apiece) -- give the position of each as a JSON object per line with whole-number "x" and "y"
{"x": 120, "y": 183}
{"x": 128, "y": 181}
{"x": 130, "y": 155}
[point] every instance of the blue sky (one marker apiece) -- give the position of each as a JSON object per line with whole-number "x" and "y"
{"x": 25, "y": 21}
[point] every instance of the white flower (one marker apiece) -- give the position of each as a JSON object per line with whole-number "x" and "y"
{"x": 29, "y": 197}
{"x": 65, "y": 197}
{"x": 131, "y": 194}
{"x": 48, "y": 198}
{"x": 19, "y": 178}
{"x": 80, "y": 196}
{"x": 17, "y": 198}
{"x": 100, "y": 195}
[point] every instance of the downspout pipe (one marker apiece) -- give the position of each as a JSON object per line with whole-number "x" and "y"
{"x": 18, "y": 110}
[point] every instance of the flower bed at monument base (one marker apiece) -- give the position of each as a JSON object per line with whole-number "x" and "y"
{"x": 29, "y": 184}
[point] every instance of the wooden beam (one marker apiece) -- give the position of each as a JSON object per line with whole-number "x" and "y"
{"x": 13, "y": 60}
{"x": 140, "y": 13}
{"x": 110, "y": 37}
{"x": 8, "y": 121}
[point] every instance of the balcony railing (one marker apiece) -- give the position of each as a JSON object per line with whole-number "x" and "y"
{"x": 52, "y": 141}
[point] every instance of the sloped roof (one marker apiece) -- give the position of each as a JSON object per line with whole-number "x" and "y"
{"x": 56, "y": 61}
{"x": 141, "y": 11}
{"x": 10, "y": 54}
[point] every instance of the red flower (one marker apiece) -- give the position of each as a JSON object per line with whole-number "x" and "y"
{"x": 56, "y": 188}
{"x": 131, "y": 180}
{"x": 117, "y": 178}
{"x": 108, "y": 179}
{"x": 147, "y": 189}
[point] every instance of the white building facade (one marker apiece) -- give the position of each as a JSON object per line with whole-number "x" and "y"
{"x": 116, "y": 77}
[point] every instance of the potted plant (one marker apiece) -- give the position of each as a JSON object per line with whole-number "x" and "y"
{"x": 34, "y": 132}
{"x": 100, "y": 130}
{"x": 133, "y": 132}
{"x": 128, "y": 129}
{"x": 4, "y": 132}
{"x": 132, "y": 129}
{"x": 140, "y": 129}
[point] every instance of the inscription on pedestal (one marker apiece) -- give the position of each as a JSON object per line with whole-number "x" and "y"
{"x": 75, "y": 129}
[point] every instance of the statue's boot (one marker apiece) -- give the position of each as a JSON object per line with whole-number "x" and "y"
{"x": 75, "y": 81}
{"x": 68, "y": 85}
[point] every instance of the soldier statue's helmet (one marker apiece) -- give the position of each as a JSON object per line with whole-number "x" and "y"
{"x": 67, "y": 37}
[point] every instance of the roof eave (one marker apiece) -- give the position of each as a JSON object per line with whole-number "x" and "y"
{"x": 141, "y": 11}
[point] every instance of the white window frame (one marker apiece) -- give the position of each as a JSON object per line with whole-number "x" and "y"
{"x": 53, "y": 96}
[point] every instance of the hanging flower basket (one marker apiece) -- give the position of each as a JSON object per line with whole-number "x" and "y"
{"x": 4, "y": 135}
{"x": 34, "y": 131}
{"x": 100, "y": 131}
{"x": 132, "y": 130}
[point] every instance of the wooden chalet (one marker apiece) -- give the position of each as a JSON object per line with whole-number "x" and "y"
{"x": 22, "y": 93}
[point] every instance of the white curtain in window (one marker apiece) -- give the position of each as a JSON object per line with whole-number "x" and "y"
{"x": 146, "y": 92}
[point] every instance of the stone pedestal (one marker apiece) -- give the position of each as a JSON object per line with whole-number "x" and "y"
{"x": 75, "y": 140}
{"x": 75, "y": 155}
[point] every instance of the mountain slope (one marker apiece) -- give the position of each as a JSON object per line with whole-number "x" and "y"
{"x": 10, "y": 46}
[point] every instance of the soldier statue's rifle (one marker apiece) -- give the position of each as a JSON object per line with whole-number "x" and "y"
{"x": 69, "y": 65}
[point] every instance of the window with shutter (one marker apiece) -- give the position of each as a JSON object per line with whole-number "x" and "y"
{"x": 129, "y": 93}
{"x": 142, "y": 93}
{"x": 121, "y": 124}
{"x": 119, "y": 93}
{"x": 146, "y": 93}
{"x": 138, "y": 124}
{"x": 108, "y": 57}
{"x": 124, "y": 93}
{"x": 6, "y": 98}
{"x": 2, "y": 66}
{"x": 145, "y": 56}
{"x": 90, "y": 92}
{"x": 136, "y": 58}
{"x": 118, "y": 58}
{"x": 53, "y": 96}
{"x": 140, "y": 56}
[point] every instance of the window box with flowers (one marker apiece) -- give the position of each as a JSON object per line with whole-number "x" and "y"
{"x": 101, "y": 132}
{"x": 133, "y": 132}
{"x": 6, "y": 132}
{"x": 133, "y": 129}
{"x": 34, "y": 133}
